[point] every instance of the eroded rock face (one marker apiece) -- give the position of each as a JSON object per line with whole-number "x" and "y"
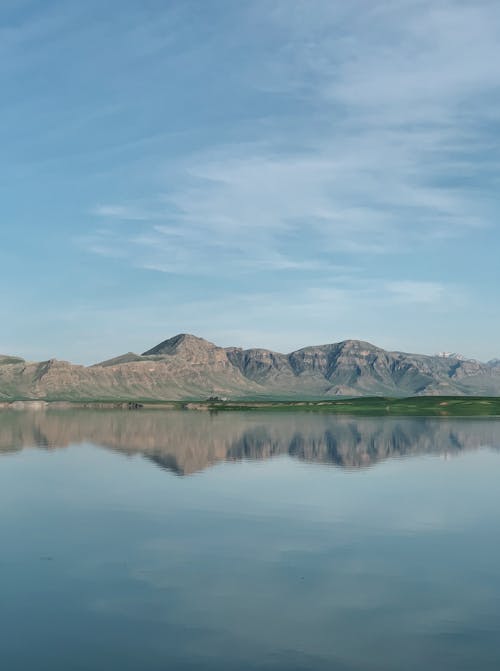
{"x": 188, "y": 367}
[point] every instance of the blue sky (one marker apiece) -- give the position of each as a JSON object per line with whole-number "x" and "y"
{"x": 261, "y": 173}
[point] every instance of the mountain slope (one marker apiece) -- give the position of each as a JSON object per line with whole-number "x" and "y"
{"x": 186, "y": 366}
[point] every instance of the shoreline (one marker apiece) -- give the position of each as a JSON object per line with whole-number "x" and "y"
{"x": 433, "y": 406}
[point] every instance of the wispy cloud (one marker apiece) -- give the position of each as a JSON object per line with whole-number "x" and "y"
{"x": 298, "y": 211}
{"x": 418, "y": 292}
{"x": 122, "y": 212}
{"x": 397, "y": 93}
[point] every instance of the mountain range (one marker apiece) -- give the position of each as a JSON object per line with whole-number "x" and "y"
{"x": 188, "y": 367}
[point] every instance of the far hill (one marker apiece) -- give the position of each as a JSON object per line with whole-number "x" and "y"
{"x": 189, "y": 367}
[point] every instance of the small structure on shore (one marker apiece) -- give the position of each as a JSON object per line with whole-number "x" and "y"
{"x": 132, "y": 405}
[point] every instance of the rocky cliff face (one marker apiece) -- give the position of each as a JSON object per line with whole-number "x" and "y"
{"x": 187, "y": 367}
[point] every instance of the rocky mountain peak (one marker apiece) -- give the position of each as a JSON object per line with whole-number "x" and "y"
{"x": 189, "y": 350}
{"x": 183, "y": 342}
{"x": 357, "y": 346}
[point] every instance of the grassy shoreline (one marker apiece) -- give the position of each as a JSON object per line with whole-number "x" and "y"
{"x": 377, "y": 406}
{"x": 433, "y": 406}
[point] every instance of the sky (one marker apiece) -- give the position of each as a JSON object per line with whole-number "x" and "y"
{"x": 270, "y": 173}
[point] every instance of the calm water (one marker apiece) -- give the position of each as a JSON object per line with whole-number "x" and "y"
{"x": 160, "y": 540}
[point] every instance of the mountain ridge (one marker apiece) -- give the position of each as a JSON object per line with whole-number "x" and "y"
{"x": 187, "y": 366}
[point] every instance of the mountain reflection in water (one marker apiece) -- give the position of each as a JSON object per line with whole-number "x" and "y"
{"x": 260, "y": 566}
{"x": 187, "y": 442}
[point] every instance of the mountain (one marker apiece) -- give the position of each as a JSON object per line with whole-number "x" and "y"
{"x": 188, "y": 367}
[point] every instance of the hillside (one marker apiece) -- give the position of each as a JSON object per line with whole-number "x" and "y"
{"x": 188, "y": 367}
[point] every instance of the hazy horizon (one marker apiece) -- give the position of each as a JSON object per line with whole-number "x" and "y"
{"x": 272, "y": 174}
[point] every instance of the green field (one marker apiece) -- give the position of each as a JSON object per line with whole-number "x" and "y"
{"x": 438, "y": 406}
{"x": 424, "y": 406}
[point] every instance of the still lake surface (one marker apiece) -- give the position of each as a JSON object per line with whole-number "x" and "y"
{"x": 248, "y": 541}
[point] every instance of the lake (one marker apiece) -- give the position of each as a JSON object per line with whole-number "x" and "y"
{"x": 155, "y": 540}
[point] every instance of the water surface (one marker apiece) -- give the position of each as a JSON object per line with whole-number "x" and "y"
{"x": 182, "y": 540}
